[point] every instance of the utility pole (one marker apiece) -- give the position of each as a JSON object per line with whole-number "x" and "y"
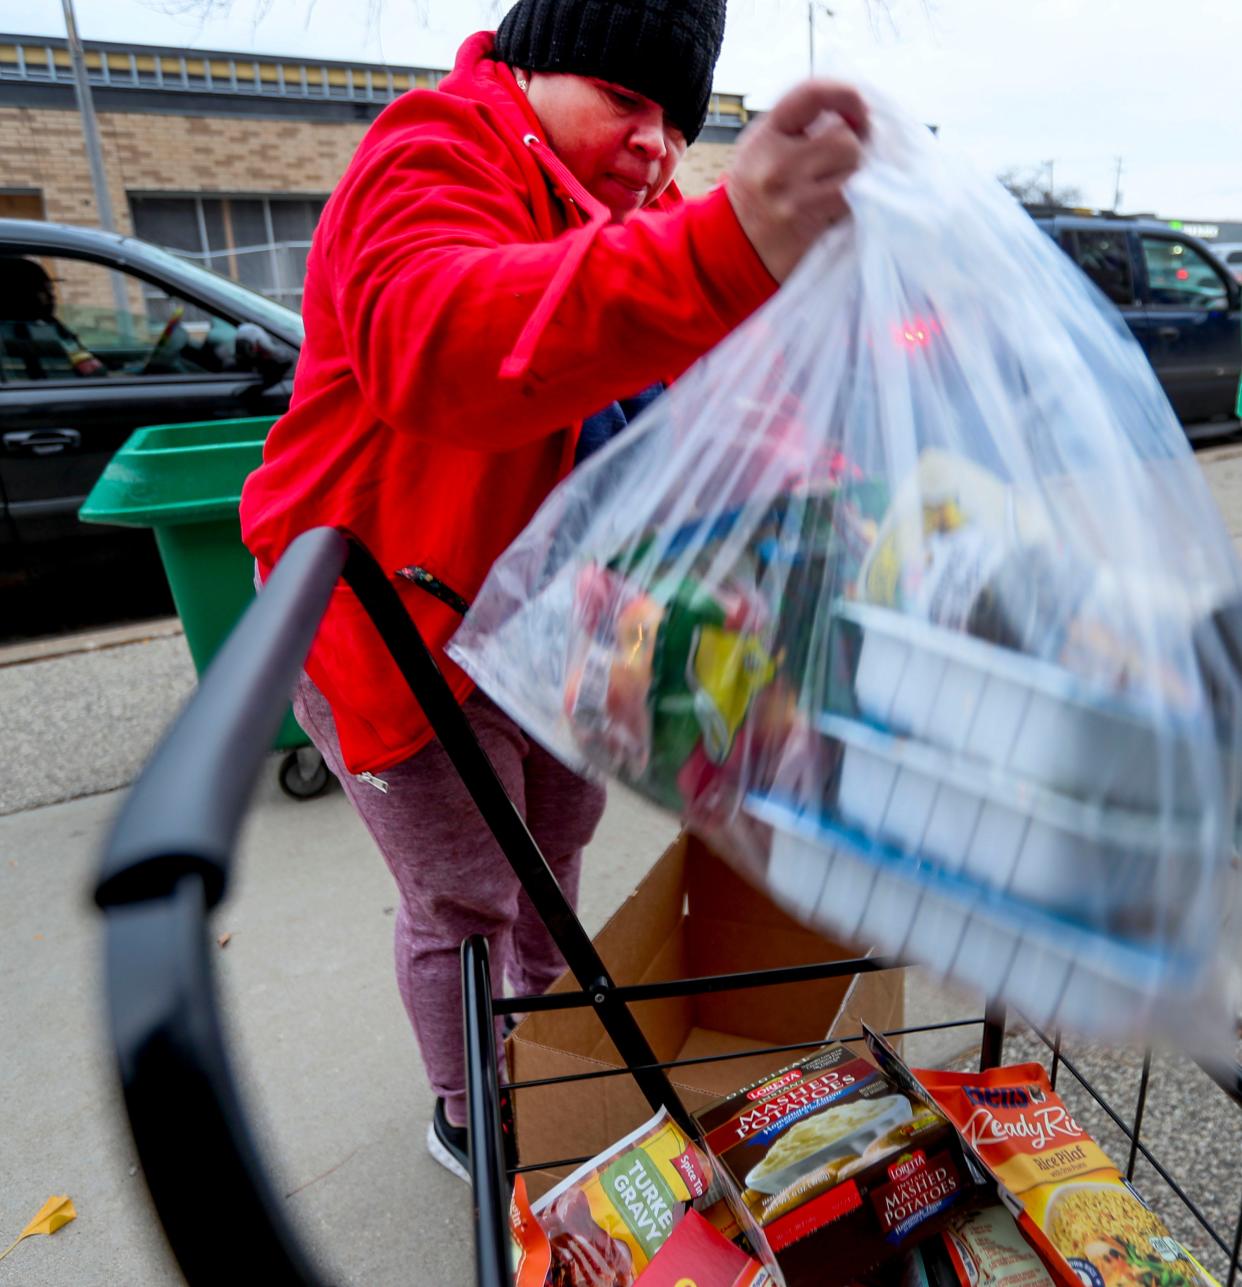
{"x": 1052, "y": 185}
{"x": 90, "y": 133}
{"x": 90, "y": 128}
{"x": 810, "y": 26}
{"x": 1117, "y": 186}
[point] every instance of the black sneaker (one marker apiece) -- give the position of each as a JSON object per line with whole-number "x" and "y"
{"x": 449, "y": 1144}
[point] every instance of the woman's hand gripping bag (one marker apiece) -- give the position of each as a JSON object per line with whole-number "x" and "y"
{"x": 912, "y": 599}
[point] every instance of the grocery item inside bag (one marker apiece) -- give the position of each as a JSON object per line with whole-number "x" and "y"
{"x": 911, "y": 598}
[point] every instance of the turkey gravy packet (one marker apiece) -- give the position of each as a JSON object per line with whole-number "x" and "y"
{"x": 602, "y": 1225}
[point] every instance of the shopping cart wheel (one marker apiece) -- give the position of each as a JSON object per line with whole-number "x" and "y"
{"x": 303, "y": 774}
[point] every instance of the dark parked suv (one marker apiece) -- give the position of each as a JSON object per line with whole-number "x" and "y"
{"x": 101, "y": 335}
{"x": 1182, "y": 304}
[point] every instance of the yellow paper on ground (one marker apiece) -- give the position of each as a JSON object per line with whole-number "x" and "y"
{"x": 54, "y": 1214}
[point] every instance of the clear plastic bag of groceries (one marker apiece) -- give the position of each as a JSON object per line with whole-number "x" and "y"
{"x": 912, "y": 598}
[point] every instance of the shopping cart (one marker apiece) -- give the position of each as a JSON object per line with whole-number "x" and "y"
{"x": 166, "y": 866}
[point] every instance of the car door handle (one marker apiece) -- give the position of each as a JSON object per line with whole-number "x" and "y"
{"x": 42, "y": 442}
{"x": 1168, "y": 332}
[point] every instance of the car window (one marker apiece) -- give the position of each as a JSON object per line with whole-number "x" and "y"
{"x": 1104, "y": 256}
{"x": 1179, "y": 276}
{"x": 267, "y": 312}
{"x": 70, "y": 319}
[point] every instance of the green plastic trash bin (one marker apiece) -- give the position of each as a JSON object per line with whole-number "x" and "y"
{"x": 184, "y": 482}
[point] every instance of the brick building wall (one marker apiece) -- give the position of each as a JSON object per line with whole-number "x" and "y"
{"x": 213, "y": 152}
{"x": 43, "y": 150}
{"x": 703, "y": 166}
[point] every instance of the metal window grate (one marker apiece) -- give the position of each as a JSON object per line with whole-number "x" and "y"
{"x": 207, "y": 230}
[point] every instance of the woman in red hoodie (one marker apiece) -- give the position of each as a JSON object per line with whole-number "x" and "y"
{"x": 505, "y": 259}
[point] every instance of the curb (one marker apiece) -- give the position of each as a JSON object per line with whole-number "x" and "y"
{"x": 34, "y": 650}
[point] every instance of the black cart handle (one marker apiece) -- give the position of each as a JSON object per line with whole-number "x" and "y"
{"x": 165, "y": 865}
{"x": 167, "y": 862}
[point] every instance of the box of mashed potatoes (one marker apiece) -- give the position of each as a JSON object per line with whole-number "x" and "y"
{"x": 835, "y": 1165}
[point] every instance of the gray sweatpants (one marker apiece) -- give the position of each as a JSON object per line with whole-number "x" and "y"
{"x": 452, "y": 877}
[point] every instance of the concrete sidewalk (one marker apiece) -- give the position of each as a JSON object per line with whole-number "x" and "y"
{"x": 322, "y": 1045}
{"x": 321, "y": 1042}
{"x": 81, "y": 713}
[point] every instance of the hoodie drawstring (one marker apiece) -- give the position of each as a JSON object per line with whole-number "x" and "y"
{"x": 518, "y": 363}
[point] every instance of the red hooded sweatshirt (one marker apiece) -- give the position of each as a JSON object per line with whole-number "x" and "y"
{"x": 467, "y": 305}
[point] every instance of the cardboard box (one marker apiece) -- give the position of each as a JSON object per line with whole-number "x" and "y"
{"x": 691, "y": 916}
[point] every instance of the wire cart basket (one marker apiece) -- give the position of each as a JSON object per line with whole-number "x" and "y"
{"x": 166, "y": 867}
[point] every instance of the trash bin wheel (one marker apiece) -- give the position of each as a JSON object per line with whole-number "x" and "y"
{"x": 303, "y": 774}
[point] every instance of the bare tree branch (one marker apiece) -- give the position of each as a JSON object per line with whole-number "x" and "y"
{"x": 882, "y": 13}
{"x": 1032, "y": 186}
{"x": 206, "y": 10}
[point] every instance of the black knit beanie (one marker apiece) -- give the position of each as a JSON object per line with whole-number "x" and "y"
{"x": 665, "y": 50}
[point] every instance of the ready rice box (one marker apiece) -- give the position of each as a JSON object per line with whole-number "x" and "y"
{"x": 1073, "y": 1202}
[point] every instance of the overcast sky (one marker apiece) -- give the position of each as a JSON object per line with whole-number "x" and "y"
{"x": 1013, "y": 82}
